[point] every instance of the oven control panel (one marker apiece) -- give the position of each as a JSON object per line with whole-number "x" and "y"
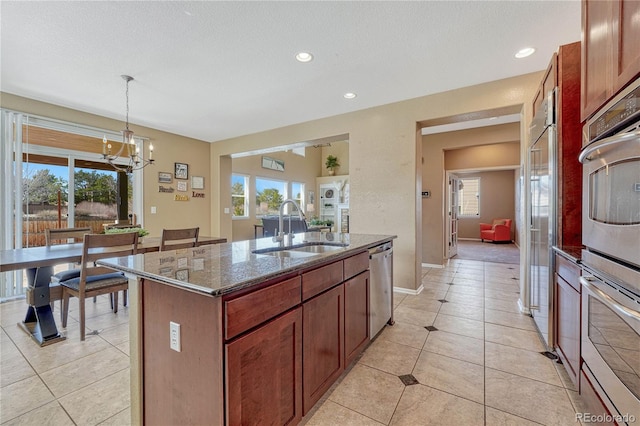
{"x": 624, "y": 109}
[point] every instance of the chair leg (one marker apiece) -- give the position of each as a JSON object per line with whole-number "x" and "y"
{"x": 82, "y": 322}
{"x": 64, "y": 311}
{"x": 115, "y": 302}
{"x": 124, "y": 297}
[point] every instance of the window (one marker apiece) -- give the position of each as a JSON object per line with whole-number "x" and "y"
{"x": 469, "y": 197}
{"x": 269, "y": 195}
{"x": 239, "y": 195}
{"x": 297, "y": 193}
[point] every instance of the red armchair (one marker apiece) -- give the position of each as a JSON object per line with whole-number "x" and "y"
{"x": 499, "y": 230}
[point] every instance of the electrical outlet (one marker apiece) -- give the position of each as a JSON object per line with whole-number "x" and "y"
{"x": 174, "y": 336}
{"x": 153, "y": 210}
{"x": 226, "y": 210}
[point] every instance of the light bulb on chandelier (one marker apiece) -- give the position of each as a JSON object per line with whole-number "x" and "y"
{"x": 135, "y": 161}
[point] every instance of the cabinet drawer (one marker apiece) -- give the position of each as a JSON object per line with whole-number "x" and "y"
{"x": 569, "y": 271}
{"x": 356, "y": 264}
{"x": 259, "y": 306}
{"x": 321, "y": 279}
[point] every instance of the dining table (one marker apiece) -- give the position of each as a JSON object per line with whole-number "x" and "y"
{"x": 39, "y": 262}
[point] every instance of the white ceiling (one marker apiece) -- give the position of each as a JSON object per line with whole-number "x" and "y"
{"x": 215, "y": 70}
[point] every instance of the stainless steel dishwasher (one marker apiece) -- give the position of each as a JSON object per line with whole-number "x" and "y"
{"x": 381, "y": 287}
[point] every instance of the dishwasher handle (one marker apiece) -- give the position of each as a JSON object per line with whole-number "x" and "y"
{"x": 380, "y": 254}
{"x": 386, "y": 249}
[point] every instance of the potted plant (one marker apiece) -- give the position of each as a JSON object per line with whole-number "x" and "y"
{"x": 332, "y": 164}
{"x": 141, "y": 231}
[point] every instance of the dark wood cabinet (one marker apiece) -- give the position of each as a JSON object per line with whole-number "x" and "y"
{"x": 563, "y": 74}
{"x": 264, "y": 354}
{"x": 323, "y": 343}
{"x": 567, "y": 300}
{"x": 356, "y": 316}
{"x": 264, "y": 374}
{"x": 610, "y": 50}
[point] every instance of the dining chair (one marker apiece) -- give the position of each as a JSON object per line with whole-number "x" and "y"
{"x": 97, "y": 280}
{"x": 57, "y": 236}
{"x": 187, "y": 237}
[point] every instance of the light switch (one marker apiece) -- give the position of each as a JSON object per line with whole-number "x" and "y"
{"x": 174, "y": 336}
{"x": 226, "y": 210}
{"x": 153, "y": 209}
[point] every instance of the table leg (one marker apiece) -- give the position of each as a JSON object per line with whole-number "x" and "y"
{"x": 39, "y": 322}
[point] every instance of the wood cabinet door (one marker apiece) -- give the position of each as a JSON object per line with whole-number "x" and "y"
{"x": 356, "y": 316}
{"x": 264, "y": 374}
{"x": 323, "y": 344}
{"x": 568, "y": 327}
{"x": 597, "y": 55}
{"x": 626, "y": 43}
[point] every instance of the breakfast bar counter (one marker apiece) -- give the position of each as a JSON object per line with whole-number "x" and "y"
{"x": 249, "y": 332}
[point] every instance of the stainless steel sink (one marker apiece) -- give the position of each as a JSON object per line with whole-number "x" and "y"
{"x": 285, "y": 253}
{"x": 316, "y": 248}
{"x": 303, "y": 250}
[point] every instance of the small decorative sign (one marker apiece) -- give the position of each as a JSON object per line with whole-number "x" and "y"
{"x": 167, "y": 189}
{"x": 181, "y": 171}
{"x": 165, "y": 177}
{"x": 182, "y": 262}
{"x": 197, "y": 194}
{"x": 182, "y": 186}
{"x": 198, "y": 264}
{"x": 197, "y": 182}
{"x": 181, "y": 197}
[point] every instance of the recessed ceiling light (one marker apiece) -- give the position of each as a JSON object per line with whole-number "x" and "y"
{"x": 349, "y": 95}
{"x": 304, "y": 57}
{"x": 523, "y": 53}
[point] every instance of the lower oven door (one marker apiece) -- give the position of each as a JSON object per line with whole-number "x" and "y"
{"x": 611, "y": 342}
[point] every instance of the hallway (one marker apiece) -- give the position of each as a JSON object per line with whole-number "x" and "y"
{"x": 466, "y": 354}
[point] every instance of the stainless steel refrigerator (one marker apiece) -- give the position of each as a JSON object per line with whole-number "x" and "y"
{"x": 542, "y": 214}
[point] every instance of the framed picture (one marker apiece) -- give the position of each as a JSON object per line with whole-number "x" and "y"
{"x": 181, "y": 171}
{"x": 182, "y": 186}
{"x": 272, "y": 164}
{"x": 197, "y": 182}
{"x": 165, "y": 177}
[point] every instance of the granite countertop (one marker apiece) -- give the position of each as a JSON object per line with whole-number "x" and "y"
{"x": 573, "y": 253}
{"x": 223, "y": 268}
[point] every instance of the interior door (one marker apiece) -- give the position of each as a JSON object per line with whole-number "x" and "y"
{"x": 452, "y": 223}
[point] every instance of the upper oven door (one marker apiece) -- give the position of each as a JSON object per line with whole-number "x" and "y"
{"x": 611, "y": 196}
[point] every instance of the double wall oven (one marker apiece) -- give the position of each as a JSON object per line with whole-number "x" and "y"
{"x": 611, "y": 258}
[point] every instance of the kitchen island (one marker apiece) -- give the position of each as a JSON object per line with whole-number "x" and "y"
{"x": 250, "y": 332}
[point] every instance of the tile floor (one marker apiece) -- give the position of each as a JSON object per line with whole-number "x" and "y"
{"x": 478, "y": 363}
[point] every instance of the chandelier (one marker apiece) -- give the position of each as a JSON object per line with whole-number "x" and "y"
{"x": 136, "y": 162}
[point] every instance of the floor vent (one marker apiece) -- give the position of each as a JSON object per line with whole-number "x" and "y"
{"x": 408, "y": 379}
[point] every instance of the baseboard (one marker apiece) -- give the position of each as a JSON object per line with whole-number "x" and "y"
{"x": 469, "y": 239}
{"x": 432, "y": 265}
{"x": 522, "y": 308}
{"x": 409, "y": 291}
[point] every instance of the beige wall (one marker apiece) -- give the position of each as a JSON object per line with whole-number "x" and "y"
{"x": 168, "y": 148}
{"x": 341, "y": 151}
{"x": 296, "y": 169}
{"x": 497, "y": 201}
{"x": 386, "y": 174}
{"x": 483, "y": 156}
{"x": 485, "y": 147}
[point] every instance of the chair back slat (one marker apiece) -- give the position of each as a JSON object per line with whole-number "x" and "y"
{"x": 99, "y": 246}
{"x": 184, "y": 238}
{"x": 63, "y": 235}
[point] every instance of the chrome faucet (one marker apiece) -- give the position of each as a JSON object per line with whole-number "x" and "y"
{"x": 281, "y": 234}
